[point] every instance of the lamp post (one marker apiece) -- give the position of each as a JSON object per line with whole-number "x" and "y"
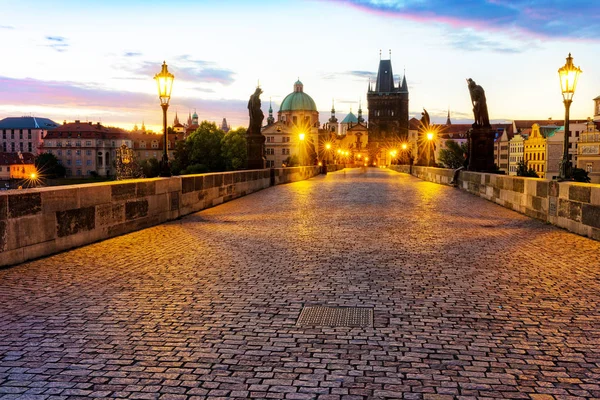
{"x": 569, "y": 74}
{"x": 327, "y": 150}
{"x": 164, "y": 80}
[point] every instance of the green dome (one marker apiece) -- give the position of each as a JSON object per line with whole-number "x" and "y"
{"x": 298, "y": 100}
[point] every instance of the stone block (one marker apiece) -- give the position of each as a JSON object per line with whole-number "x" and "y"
{"x": 59, "y": 199}
{"x": 198, "y": 182}
{"x": 542, "y": 188}
{"x": 228, "y": 178}
{"x": 563, "y": 208}
{"x": 552, "y": 206}
{"x": 30, "y": 230}
{"x": 145, "y": 188}
{"x": 219, "y": 179}
{"x": 575, "y": 211}
{"x": 209, "y": 181}
{"x": 553, "y": 188}
{"x": 161, "y": 185}
{"x": 174, "y": 200}
{"x": 187, "y": 184}
{"x": 93, "y": 195}
{"x": 158, "y": 204}
{"x": 594, "y": 197}
{"x": 579, "y": 192}
{"x": 174, "y": 184}
{"x": 536, "y": 203}
{"x": 12, "y": 257}
{"x": 74, "y": 221}
{"x": 23, "y": 204}
{"x": 3, "y": 236}
{"x": 590, "y": 215}
{"x": 3, "y": 208}
{"x": 136, "y": 209}
{"x": 110, "y": 214}
{"x": 563, "y": 190}
{"x": 123, "y": 191}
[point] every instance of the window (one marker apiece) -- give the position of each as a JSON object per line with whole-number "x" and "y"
{"x": 88, "y": 152}
{"x": 21, "y": 134}
{"x": 78, "y": 172}
{"x": 12, "y": 134}
{"x": 68, "y": 162}
{"x": 77, "y": 153}
{"x": 68, "y": 152}
{"x": 58, "y": 144}
{"x": 21, "y": 146}
{"x": 29, "y": 147}
{"x": 78, "y": 143}
{"x": 88, "y": 162}
{"x": 68, "y": 143}
{"x": 78, "y": 162}
{"x": 4, "y": 147}
{"x": 588, "y": 167}
{"x": 28, "y": 133}
{"x": 268, "y": 139}
{"x": 113, "y": 143}
{"x": 59, "y": 152}
{"x": 88, "y": 142}
{"x": 4, "y": 134}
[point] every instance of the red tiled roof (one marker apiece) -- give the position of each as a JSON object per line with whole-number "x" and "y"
{"x": 86, "y": 130}
{"x": 13, "y": 158}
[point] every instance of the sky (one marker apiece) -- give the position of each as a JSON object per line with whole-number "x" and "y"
{"x": 94, "y": 60}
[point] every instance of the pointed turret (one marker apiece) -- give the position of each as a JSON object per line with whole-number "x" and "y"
{"x": 143, "y": 127}
{"x": 224, "y": 126}
{"x": 333, "y": 119}
{"x": 404, "y": 87}
{"x": 176, "y": 121}
{"x": 448, "y": 122}
{"x": 189, "y": 121}
{"x": 360, "y": 117}
{"x": 195, "y": 118}
{"x": 385, "y": 77}
{"x": 270, "y": 119}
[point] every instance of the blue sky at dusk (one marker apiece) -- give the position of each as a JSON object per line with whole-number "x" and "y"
{"x": 95, "y": 60}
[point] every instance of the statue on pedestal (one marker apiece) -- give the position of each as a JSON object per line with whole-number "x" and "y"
{"x": 481, "y": 136}
{"x": 255, "y": 141}
{"x": 480, "y": 111}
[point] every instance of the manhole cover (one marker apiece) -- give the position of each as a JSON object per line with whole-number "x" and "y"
{"x": 336, "y": 316}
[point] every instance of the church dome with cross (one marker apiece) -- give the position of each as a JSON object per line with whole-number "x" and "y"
{"x": 298, "y": 100}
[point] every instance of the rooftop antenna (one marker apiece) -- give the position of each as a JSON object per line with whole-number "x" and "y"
{"x": 390, "y": 54}
{"x": 379, "y": 54}
{"x": 258, "y": 83}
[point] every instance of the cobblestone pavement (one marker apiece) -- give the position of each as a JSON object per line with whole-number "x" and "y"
{"x": 470, "y": 300}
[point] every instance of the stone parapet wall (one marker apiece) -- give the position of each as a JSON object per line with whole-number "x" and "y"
{"x": 43, "y": 221}
{"x": 570, "y": 205}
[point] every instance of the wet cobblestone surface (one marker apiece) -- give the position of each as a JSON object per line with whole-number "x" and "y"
{"x": 470, "y": 300}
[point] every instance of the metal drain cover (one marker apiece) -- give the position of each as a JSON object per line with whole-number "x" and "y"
{"x": 336, "y": 316}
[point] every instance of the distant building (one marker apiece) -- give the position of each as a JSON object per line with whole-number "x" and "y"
{"x": 501, "y": 149}
{"x": 296, "y": 131}
{"x": 542, "y": 150}
{"x": 16, "y": 166}
{"x": 192, "y": 123}
{"x": 24, "y": 134}
{"x": 597, "y": 109}
{"x": 84, "y": 148}
{"x": 515, "y": 153}
{"x": 589, "y": 151}
{"x": 224, "y": 126}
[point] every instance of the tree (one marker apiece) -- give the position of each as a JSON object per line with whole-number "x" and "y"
{"x": 453, "y": 156}
{"x": 234, "y": 149}
{"x": 150, "y": 167}
{"x": 523, "y": 170}
{"x": 580, "y": 175}
{"x": 292, "y": 161}
{"x": 48, "y": 166}
{"x": 204, "y": 146}
{"x": 181, "y": 157}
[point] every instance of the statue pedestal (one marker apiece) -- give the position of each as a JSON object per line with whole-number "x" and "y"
{"x": 256, "y": 150}
{"x": 481, "y": 149}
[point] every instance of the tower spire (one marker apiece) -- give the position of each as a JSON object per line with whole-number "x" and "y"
{"x": 270, "y": 119}
{"x": 360, "y": 117}
{"x": 448, "y": 122}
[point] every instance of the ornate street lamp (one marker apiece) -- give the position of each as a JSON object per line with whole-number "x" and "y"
{"x": 164, "y": 80}
{"x": 569, "y": 74}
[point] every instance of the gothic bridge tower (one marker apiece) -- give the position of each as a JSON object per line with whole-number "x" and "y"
{"x": 388, "y": 107}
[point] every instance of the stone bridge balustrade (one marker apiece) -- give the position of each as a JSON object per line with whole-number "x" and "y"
{"x": 42, "y": 221}
{"x": 570, "y": 205}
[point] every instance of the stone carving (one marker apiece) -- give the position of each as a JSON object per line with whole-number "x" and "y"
{"x": 425, "y": 120}
{"x": 255, "y": 141}
{"x": 127, "y": 166}
{"x": 480, "y": 111}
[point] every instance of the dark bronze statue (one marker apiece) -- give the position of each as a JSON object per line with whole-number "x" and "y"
{"x": 425, "y": 120}
{"x": 480, "y": 111}
{"x": 256, "y": 114}
{"x": 255, "y": 141}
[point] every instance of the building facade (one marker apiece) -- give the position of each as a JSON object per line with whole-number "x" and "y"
{"x": 24, "y": 134}
{"x": 515, "y": 153}
{"x": 17, "y": 166}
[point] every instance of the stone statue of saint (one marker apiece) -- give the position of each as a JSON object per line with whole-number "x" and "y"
{"x": 425, "y": 120}
{"x": 480, "y": 111}
{"x": 256, "y": 114}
